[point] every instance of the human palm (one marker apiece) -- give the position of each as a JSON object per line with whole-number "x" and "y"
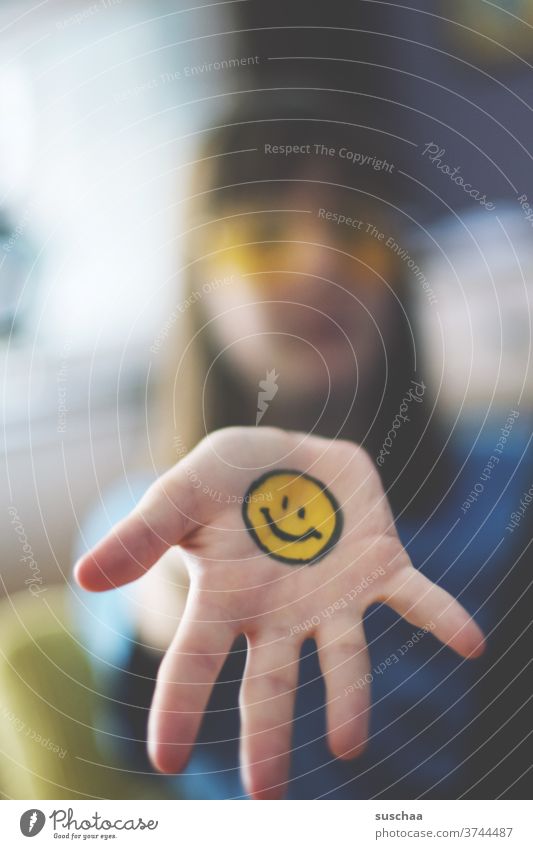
{"x": 267, "y": 563}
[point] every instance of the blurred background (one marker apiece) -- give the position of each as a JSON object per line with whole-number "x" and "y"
{"x": 103, "y": 107}
{"x": 97, "y": 118}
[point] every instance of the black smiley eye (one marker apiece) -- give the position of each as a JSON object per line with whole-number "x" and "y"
{"x": 285, "y": 502}
{"x": 301, "y": 513}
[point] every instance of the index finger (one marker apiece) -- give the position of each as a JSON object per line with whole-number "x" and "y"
{"x": 161, "y": 519}
{"x": 185, "y": 680}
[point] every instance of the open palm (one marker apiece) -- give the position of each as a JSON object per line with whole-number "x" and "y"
{"x": 276, "y": 599}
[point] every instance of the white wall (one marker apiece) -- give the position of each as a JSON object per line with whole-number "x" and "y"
{"x": 97, "y": 121}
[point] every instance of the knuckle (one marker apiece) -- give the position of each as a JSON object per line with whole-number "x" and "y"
{"x": 263, "y": 688}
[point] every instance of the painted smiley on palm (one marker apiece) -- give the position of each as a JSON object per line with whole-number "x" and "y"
{"x": 292, "y": 516}
{"x": 274, "y": 527}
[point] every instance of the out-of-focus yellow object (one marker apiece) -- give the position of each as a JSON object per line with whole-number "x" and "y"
{"x": 49, "y": 708}
{"x": 255, "y": 251}
{"x": 489, "y": 32}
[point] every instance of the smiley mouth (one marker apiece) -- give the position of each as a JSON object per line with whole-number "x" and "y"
{"x": 283, "y": 535}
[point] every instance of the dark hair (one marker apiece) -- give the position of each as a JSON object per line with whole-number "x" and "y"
{"x": 234, "y": 159}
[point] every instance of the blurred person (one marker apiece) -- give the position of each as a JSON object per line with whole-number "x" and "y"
{"x": 291, "y": 277}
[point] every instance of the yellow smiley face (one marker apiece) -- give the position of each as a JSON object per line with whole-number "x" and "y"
{"x": 292, "y": 517}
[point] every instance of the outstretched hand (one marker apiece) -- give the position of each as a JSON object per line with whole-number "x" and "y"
{"x": 274, "y": 528}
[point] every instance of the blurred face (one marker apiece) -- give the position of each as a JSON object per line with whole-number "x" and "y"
{"x": 294, "y": 292}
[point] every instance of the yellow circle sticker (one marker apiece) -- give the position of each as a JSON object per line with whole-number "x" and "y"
{"x": 292, "y": 516}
